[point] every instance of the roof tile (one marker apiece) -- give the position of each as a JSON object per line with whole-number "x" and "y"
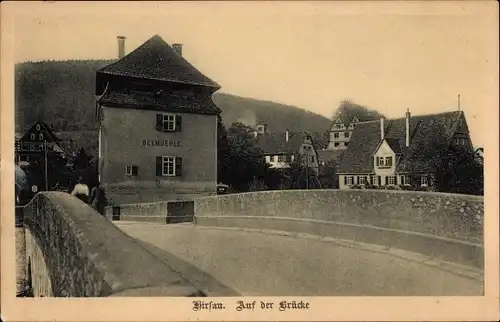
{"x": 366, "y": 137}
{"x": 155, "y": 59}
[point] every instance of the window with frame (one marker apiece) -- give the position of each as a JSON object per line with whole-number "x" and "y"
{"x": 38, "y": 127}
{"x": 349, "y": 180}
{"x": 336, "y": 144}
{"x": 272, "y": 158}
{"x": 23, "y": 158}
{"x": 423, "y": 180}
{"x": 346, "y": 143}
{"x": 168, "y": 166}
{"x": 405, "y": 180}
{"x": 361, "y": 180}
{"x": 32, "y": 136}
{"x": 280, "y": 158}
{"x": 40, "y": 136}
{"x": 312, "y": 158}
{"x": 375, "y": 181}
{"x": 168, "y": 122}
{"x": 388, "y": 161}
{"x": 336, "y": 135}
{"x": 131, "y": 170}
{"x": 391, "y": 180}
{"x": 346, "y": 134}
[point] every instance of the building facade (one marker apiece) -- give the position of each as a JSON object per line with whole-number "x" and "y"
{"x": 31, "y": 145}
{"x": 397, "y": 153}
{"x": 158, "y": 126}
{"x": 280, "y": 150}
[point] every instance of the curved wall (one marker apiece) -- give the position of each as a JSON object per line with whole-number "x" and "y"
{"x": 446, "y": 226}
{"x": 73, "y": 251}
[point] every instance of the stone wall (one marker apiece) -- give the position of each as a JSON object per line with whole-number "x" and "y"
{"x": 162, "y": 212}
{"x": 449, "y": 226}
{"x": 79, "y": 253}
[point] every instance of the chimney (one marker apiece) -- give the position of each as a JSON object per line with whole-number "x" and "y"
{"x": 407, "y": 127}
{"x": 121, "y": 46}
{"x": 287, "y": 135}
{"x": 382, "y": 134}
{"x": 177, "y": 48}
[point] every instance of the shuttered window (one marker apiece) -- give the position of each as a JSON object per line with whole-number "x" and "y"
{"x": 168, "y": 122}
{"x": 131, "y": 170}
{"x": 168, "y": 166}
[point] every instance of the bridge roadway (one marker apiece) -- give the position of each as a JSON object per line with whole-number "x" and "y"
{"x": 252, "y": 263}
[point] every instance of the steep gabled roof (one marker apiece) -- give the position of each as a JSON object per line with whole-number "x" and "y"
{"x": 51, "y": 137}
{"x": 423, "y": 129}
{"x": 156, "y": 60}
{"x": 275, "y": 143}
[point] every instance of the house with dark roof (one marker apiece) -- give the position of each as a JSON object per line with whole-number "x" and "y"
{"x": 158, "y": 125}
{"x": 343, "y": 125}
{"x": 399, "y": 152}
{"x": 31, "y": 145}
{"x": 281, "y": 149}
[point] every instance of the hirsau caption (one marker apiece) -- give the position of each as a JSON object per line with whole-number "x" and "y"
{"x": 210, "y": 305}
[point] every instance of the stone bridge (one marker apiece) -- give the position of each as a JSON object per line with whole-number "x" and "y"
{"x": 300, "y": 242}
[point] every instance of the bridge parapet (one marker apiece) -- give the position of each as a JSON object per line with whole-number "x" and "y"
{"x": 448, "y": 226}
{"x": 73, "y": 251}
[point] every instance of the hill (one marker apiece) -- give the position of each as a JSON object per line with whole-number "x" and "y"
{"x": 61, "y": 93}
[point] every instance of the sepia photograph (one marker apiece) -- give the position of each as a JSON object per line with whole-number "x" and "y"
{"x": 266, "y": 153}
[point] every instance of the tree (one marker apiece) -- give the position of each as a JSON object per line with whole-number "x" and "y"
{"x": 56, "y": 169}
{"x": 81, "y": 160}
{"x": 327, "y": 175}
{"x": 453, "y": 168}
{"x": 300, "y": 175}
{"x": 242, "y": 162}
{"x": 363, "y": 113}
{"x": 321, "y": 139}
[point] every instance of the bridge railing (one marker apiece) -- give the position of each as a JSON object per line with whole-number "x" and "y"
{"x": 73, "y": 251}
{"x": 447, "y": 226}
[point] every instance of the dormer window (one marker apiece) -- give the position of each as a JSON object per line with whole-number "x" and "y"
{"x": 383, "y": 162}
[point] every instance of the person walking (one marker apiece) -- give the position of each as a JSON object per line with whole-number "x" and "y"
{"x": 81, "y": 191}
{"x": 97, "y": 198}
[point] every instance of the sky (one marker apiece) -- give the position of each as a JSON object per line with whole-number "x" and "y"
{"x": 388, "y": 56}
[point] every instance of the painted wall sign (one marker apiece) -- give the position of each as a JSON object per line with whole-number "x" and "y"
{"x": 165, "y": 143}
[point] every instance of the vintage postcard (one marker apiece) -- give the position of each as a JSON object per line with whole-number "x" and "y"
{"x": 248, "y": 161}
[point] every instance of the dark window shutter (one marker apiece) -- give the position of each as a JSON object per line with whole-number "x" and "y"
{"x": 178, "y": 123}
{"x": 159, "y": 122}
{"x": 134, "y": 170}
{"x": 390, "y": 161}
{"x": 386, "y": 181}
{"x": 355, "y": 180}
{"x": 378, "y": 161}
{"x": 345, "y": 180}
{"x": 159, "y": 166}
{"x": 178, "y": 166}
{"x": 379, "y": 180}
